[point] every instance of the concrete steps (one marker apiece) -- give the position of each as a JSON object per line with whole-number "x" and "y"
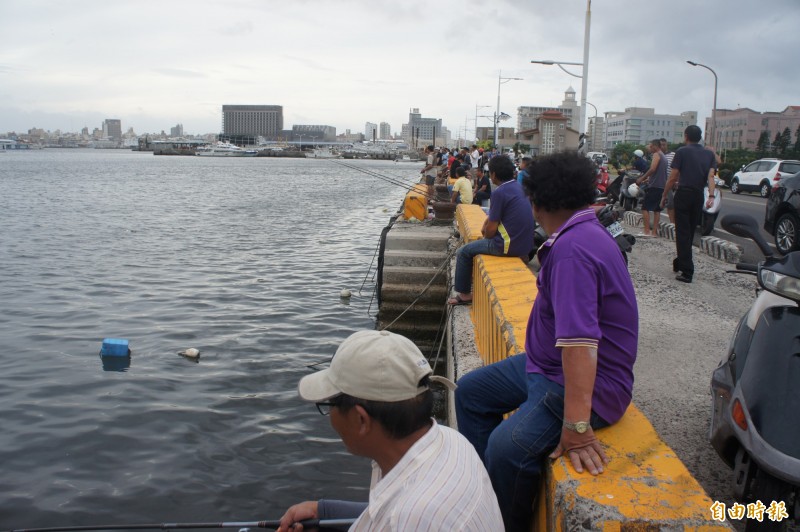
{"x": 414, "y": 257}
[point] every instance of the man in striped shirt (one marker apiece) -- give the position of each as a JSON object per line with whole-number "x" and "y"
{"x": 424, "y": 476}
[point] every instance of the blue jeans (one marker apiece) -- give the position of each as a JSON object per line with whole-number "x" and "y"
{"x": 464, "y": 262}
{"x": 513, "y": 450}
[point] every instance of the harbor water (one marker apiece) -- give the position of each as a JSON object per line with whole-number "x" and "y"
{"x": 241, "y": 258}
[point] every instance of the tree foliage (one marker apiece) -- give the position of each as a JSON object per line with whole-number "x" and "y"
{"x": 622, "y": 154}
{"x": 763, "y": 144}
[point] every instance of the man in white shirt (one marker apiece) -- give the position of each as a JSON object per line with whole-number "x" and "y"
{"x": 425, "y": 476}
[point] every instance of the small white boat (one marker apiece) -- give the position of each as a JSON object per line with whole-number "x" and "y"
{"x": 224, "y": 149}
{"x": 322, "y": 153}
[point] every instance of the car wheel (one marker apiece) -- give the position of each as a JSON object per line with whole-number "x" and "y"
{"x": 764, "y": 190}
{"x": 735, "y": 186}
{"x": 786, "y": 233}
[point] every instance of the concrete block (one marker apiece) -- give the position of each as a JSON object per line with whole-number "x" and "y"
{"x": 413, "y": 275}
{"x": 404, "y": 236}
{"x": 414, "y": 257}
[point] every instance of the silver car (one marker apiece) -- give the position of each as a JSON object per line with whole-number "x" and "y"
{"x": 761, "y": 175}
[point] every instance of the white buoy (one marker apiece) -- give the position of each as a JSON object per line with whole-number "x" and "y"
{"x": 345, "y": 293}
{"x": 190, "y": 353}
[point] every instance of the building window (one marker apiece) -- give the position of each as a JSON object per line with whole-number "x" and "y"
{"x": 560, "y": 126}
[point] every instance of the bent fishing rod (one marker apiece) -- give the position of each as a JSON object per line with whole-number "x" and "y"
{"x": 390, "y": 180}
{"x": 272, "y": 525}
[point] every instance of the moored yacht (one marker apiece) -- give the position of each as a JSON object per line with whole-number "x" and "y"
{"x": 224, "y": 149}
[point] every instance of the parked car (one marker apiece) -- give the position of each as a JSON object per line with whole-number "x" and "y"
{"x": 761, "y": 175}
{"x": 782, "y": 217}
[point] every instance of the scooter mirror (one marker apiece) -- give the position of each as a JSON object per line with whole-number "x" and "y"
{"x": 747, "y": 227}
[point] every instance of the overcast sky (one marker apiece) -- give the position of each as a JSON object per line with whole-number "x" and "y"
{"x": 66, "y": 65}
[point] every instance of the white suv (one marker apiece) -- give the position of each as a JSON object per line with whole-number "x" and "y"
{"x": 762, "y": 174}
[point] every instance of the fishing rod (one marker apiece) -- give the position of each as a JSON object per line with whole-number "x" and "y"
{"x": 390, "y": 180}
{"x": 273, "y": 525}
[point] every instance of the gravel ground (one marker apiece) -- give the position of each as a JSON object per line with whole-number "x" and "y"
{"x": 684, "y": 331}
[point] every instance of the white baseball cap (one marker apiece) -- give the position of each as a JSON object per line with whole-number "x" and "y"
{"x": 372, "y": 365}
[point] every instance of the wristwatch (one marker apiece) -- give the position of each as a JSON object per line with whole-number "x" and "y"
{"x": 579, "y": 426}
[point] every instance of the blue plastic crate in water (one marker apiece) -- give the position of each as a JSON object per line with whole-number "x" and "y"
{"x": 114, "y": 347}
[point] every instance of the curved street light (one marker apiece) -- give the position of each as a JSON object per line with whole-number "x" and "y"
{"x": 714, "y": 109}
{"x": 585, "y": 69}
{"x": 497, "y": 114}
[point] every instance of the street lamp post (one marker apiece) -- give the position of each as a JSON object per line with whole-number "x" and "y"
{"x": 714, "y": 109}
{"x": 585, "y": 71}
{"x": 497, "y": 113}
{"x": 300, "y": 146}
{"x": 594, "y": 124}
{"x": 476, "y": 117}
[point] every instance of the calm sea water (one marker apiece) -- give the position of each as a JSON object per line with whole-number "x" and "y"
{"x": 243, "y": 259}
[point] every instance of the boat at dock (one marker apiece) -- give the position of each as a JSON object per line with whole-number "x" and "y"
{"x": 224, "y": 149}
{"x": 322, "y": 153}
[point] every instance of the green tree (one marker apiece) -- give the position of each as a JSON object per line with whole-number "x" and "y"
{"x": 622, "y": 154}
{"x": 797, "y": 141}
{"x": 763, "y": 144}
{"x": 775, "y": 143}
{"x": 782, "y": 144}
{"x": 520, "y": 148}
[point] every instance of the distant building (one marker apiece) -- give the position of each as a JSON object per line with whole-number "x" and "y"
{"x": 314, "y": 132}
{"x": 420, "y": 131}
{"x": 506, "y": 137}
{"x": 347, "y": 136}
{"x": 370, "y": 131}
{"x": 112, "y": 129}
{"x": 385, "y": 131}
{"x": 176, "y": 131}
{"x": 252, "y": 120}
{"x": 740, "y": 128}
{"x": 594, "y": 133}
{"x": 640, "y": 125}
{"x": 551, "y": 134}
{"x": 527, "y": 116}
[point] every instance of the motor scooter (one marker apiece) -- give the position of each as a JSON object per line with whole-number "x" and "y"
{"x": 619, "y": 191}
{"x": 756, "y": 388}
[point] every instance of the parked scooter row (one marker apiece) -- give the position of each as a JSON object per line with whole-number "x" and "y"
{"x": 755, "y": 419}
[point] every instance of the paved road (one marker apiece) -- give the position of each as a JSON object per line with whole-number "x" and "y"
{"x": 684, "y": 332}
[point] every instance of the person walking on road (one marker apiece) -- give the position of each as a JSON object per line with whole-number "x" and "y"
{"x": 692, "y": 168}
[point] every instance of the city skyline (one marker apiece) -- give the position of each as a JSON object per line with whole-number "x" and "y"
{"x": 73, "y": 65}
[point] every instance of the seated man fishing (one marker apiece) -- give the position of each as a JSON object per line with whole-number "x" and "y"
{"x": 507, "y": 231}
{"x": 576, "y": 374}
{"x": 424, "y": 476}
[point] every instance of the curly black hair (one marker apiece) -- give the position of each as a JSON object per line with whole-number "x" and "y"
{"x": 562, "y": 180}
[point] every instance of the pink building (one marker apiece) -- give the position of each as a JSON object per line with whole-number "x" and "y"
{"x": 740, "y": 128}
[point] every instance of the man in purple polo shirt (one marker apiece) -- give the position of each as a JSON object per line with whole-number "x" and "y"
{"x": 508, "y": 229}
{"x": 576, "y": 374}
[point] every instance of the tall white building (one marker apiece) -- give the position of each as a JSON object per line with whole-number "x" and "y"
{"x": 370, "y": 131}
{"x": 385, "y": 131}
{"x": 527, "y": 116}
{"x": 640, "y": 125}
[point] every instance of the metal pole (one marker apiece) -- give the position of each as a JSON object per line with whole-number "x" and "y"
{"x": 712, "y": 134}
{"x": 497, "y": 109}
{"x": 585, "y": 76}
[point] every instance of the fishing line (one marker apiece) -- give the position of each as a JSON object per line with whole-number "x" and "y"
{"x": 388, "y": 179}
{"x": 377, "y": 247}
{"x": 273, "y": 524}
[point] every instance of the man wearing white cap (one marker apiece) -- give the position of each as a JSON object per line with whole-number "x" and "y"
{"x": 424, "y": 476}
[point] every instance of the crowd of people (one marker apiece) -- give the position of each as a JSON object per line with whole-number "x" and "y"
{"x": 575, "y": 376}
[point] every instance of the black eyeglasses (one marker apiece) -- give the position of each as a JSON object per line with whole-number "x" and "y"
{"x": 325, "y": 407}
